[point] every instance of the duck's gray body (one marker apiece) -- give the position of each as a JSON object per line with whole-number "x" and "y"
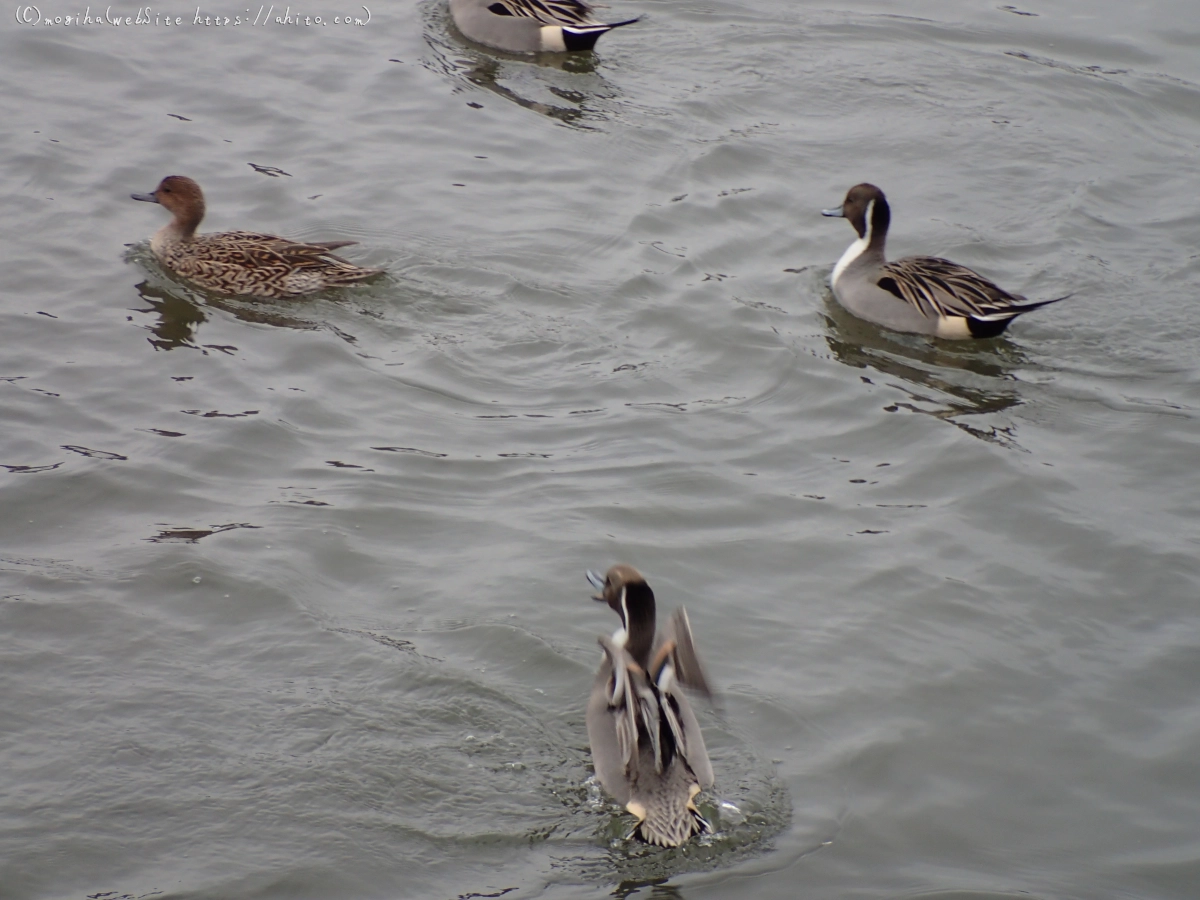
{"x": 647, "y": 746}
{"x": 530, "y": 26}
{"x": 919, "y": 294}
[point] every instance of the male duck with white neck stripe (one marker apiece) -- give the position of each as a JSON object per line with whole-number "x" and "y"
{"x": 646, "y": 743}
{"x": 920, "y": 294}
{"x": 531, "y": 26}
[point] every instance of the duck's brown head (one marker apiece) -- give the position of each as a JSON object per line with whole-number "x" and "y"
{"x": 625, "y": 590}
{"x": 182, "y": 197}
{"x": 863, "y": 201}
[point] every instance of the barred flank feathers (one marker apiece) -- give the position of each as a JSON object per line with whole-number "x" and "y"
{"x": 261, "y": 265}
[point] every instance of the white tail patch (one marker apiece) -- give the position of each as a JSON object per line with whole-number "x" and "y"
{"x": 552, "y": 39}
{"x": 953, "y": 328}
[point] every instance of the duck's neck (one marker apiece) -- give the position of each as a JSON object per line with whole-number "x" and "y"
{"x": 183, "y": 226}
{"x": 638, "y": 613}
{"x": 871, "y": 242}
{"x": 176, "y": 231}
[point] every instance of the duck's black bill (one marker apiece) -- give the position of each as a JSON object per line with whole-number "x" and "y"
{"x": 834, "y": 213}
{"x": 148, "y": 198}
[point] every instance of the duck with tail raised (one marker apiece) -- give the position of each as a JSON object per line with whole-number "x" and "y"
{"x": 646, "y": 743}
{"x": 531, "y": 26}
{"x": 921, "y": 294}
{"x": 242, "y": 263}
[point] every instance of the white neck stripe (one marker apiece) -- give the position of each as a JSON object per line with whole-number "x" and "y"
{"x": 855, "y": 250}
{"x": 621, "y": 637}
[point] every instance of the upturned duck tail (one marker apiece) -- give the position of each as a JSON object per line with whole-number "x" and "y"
{"x": 669, "y": 819}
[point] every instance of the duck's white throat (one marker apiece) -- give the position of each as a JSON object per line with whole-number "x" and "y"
{"x": 621, "y": 635}
{"x": 855, "y": 250}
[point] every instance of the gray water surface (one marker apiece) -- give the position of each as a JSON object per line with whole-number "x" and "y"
{"x": 292, "y": 595}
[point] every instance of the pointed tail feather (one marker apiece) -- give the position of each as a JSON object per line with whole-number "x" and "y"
{"x": 352, "y": 276}
{"x": 584, "y": 37}
{"x": 1011, "y": 312}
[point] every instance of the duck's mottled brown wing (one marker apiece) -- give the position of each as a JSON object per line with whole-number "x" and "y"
{"x": 263, "y": 265}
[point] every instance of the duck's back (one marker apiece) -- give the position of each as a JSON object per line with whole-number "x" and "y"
{"x": 260, "y": 265}
{"x": 657, "y": 787}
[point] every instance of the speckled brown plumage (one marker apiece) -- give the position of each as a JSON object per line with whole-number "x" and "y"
{"x": 242, "y": 263}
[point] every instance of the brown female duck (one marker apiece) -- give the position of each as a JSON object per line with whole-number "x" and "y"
{"x": 242, "y": 262}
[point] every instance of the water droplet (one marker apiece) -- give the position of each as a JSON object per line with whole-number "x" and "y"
{"x": 196, "y": 580}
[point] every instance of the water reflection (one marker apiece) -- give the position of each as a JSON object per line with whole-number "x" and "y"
{"x": 659, "y": 890}
{"x": 536, "y": 82}
{"x": 971, "y": 378}
{"x": 178, "y": 318}
{"x": 181, "y": 313}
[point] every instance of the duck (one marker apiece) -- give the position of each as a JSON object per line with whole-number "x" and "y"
{"x": 242, "y": 263}
{"x": 919, "y": 294}
{"x": 646, "y": 744}
{"x": 531, "y": 26}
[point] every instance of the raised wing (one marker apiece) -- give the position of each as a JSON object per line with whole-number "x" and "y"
{"x": 675, "y": 663}
{"x": 678, "y": 649}
{"x": 621, "y": 702}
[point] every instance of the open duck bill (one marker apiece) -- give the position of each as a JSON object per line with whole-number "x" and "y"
{"x": 597, "y": 581}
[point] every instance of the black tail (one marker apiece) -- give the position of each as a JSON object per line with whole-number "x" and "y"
{"x": 1038, "y": 304}
{"x": 584, "y": 37}
{"x": 988, "y": 328}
